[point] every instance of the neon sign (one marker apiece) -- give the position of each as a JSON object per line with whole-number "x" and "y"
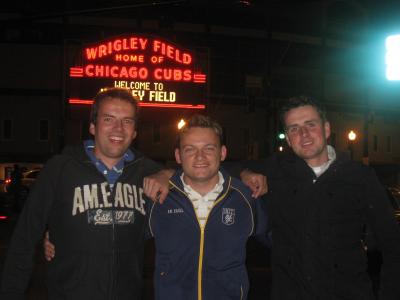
{"x": 156, "y": 71}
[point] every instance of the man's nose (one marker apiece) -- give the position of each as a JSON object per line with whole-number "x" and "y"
{"x": 304, "y": 130}
{"x": 199, "y": 153}
{"x": 118, "y": 124}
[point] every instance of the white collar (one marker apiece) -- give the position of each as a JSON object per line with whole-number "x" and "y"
{"x": 211, "y": 195}
{"x": 319, "y": 170}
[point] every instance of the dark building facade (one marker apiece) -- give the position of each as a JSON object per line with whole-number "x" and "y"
{"x": 255, "y": 54}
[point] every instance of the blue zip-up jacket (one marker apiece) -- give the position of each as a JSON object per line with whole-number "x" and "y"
{"x": 208, "y": 264}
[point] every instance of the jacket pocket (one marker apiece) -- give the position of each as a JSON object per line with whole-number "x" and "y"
{"x": 229, "y": 284}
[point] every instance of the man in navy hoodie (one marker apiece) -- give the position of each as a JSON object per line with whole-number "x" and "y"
{"x": 202, "y": 228}
{"x": 91, "y": 199}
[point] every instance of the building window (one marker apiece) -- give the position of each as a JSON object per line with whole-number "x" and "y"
{"x": 375, "y": 143}
{"x": 7, "y": 129}
{"x": 44, "y": 130}
{"x": 388, "y": 144}
{"x": 156, "y": 133}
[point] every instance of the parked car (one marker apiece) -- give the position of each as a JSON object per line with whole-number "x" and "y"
{"x": 27, "y": 180}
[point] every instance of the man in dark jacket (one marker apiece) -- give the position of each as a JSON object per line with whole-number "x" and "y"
{"x": 91, "y": 199}
{"x": 319, "y": 204}
{"x": 202, "y": 228}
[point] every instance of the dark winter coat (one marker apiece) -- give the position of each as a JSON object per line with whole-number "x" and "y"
{"x": 318, "y": 226}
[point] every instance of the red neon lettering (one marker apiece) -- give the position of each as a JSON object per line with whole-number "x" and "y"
{"x": 171, "y": 52}
{"x": 129, "y": 58}
{"x": 125, "y": 45}
{"x": 117, "y": 45}
{"x": 89, "y": 70}
{"x": 102, "y": 50}
{"x": 186, "y": 59}
{"x": 158, "y": 74}
{"x": 144, "y": 104}
{"x": 187, "y": 75}
{"x": 156, "y": 45}
{"x": 143, "y": 43}
{"x": 172, "y": 74}
{"x": 177, "y": 75}
{"x": 91, "y": 53}
{"x": 143, "y": 73}
{"x": 116, "y": 72}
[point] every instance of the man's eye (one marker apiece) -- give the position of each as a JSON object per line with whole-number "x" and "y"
{"x": 108, "y": 119}
{"x": 188, "y": 150}
{"x": 128, "y": 121}
{"x": 293, "y": 129}
{"x": 209, "y": 149}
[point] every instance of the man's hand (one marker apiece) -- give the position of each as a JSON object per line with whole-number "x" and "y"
{"x": 48, "y": 247}
{"x": 156, "y": 186}
{"x": 255, "y": 181}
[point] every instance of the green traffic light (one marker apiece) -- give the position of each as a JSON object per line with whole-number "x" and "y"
{"x": 281, "y": 136}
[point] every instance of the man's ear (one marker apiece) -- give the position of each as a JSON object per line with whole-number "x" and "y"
{"x": 178, "y": 156}
{"x": 327, "y": 128}
{"x": 134, "y": 135}
{"x": 287, "y": 140}
{"x": 92, "y": 129}
{"x": 224, "y": 152}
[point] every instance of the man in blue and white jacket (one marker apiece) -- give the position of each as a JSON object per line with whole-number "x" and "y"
{"x": 202, "y": 228}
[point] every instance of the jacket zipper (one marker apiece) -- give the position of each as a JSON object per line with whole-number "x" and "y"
{"x": 113, "y": 267}
{"x": 113, "y": 256}
{"x": 202, "y": 234}
{"x": 200, "y": 268}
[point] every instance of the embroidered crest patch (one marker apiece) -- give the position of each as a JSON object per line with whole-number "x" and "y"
{"x": 228, "y": 216}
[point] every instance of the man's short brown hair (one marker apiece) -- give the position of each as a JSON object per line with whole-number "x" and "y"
{"x": 112, "y": 93}
{"x": 201, "y": 121}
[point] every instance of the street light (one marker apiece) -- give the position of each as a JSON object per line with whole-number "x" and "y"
{"x": 352, "y": 137}
{"x": 181, "y": 123}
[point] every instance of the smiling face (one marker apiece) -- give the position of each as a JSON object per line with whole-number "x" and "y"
{"x": 200, "y": 154}
{"x": 307, "y": 134}
{"x": 114, "y": 130}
